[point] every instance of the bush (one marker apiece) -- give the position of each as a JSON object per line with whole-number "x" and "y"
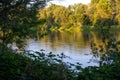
{"x": 37, "y": 66}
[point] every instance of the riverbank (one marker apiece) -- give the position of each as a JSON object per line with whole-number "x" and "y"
{"x": 16, "y": 66}
{"x": 85, "y": 28}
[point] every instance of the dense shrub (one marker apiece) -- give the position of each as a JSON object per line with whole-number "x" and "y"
{"x": 37, "y": 66}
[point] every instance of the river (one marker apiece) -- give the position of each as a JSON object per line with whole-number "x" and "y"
{"x": 76, "y": 45}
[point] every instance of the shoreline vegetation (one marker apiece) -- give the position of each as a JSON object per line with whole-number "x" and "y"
{"x": 85, "y": 28}
{"x": 42, "y": 66}
{"x": 22, "y": 19}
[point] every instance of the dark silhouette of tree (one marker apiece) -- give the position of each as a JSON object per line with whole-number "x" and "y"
{"x": 17, "y": 19}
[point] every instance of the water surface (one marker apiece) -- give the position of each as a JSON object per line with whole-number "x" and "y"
{"x": 76, "y": 45}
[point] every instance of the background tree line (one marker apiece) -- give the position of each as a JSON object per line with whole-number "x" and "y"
{"x": 18, "y": 20}
{"x": 99, "y": 13}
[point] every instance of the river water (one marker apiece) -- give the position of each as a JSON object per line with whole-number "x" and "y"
{"x": 76, "y": 45}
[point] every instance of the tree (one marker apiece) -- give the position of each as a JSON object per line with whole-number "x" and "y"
{"x": 102, "y": 12}
{"x": 81, "y": 15}
{"x": 54, "y": 15}
{"x": 17, "y": 18}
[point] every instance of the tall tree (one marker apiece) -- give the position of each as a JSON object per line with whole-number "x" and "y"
{"x": 102, "y": 12}
{"x": 17, "y": 17}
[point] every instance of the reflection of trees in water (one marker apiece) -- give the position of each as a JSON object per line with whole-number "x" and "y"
{"x": 109, "y": 50}
{"x": 86, "y": 36}
{"x": 76, "y": 39}
{"x": 101, "y": 38}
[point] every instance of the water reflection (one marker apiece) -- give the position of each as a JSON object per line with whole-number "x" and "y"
{"x": 77, "y": 45}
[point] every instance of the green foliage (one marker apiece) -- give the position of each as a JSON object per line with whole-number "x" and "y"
{"x": 41, "y": 66}
{"x": 98, "y": 13}
{"x": 103, "y": 23}
{"x": 109, "y": 60}
{"x": 17, "y": 20}
{"x": 15, "y": 24}
{"x": 37, "y": 66}
{"x": 63, "y": 18}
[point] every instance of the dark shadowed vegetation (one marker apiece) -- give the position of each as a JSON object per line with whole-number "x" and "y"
{"x": 21, "y": 19}
{"x": 41, "y": 66}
